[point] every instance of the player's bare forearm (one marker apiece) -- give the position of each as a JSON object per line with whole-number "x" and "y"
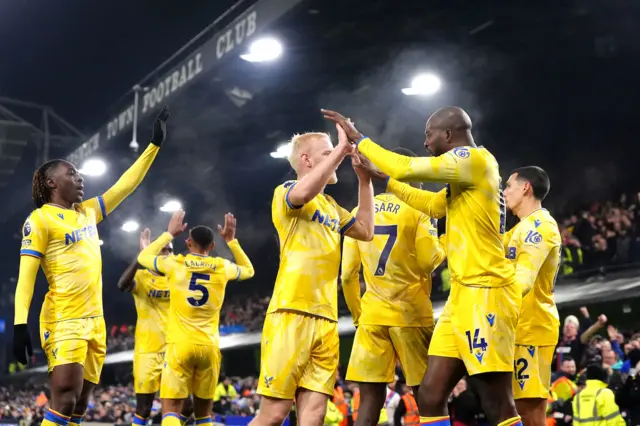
{"x": 130, "y": 180}
{"x": 314, "y": 182}
{"x": 24, "y": 289}
{"x": 241, "y": 260}
{"x": 362, "y": 229}
{"x": 433, "y": 204}
{"x": 125, "y": 283}
{"x": 148, "y": 257}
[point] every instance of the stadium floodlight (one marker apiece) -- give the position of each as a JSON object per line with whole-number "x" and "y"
{"x": 282, "y": 151}
{"x": 130, "y": 226}
{"x": 93, "y": 167}
{"x": 424, "y": 84}
{"x": 171, "y": 206}
{"x": 263, "y": 50}
{"x": 101, "y": 242}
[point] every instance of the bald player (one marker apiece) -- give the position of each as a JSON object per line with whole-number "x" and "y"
{"x": 299, "y": 349}
{"x": 475, "y": 333}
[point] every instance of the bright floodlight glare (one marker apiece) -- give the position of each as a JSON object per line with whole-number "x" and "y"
{"x": 101, "y": 242}
{"x": 93, "y": 167}
{"x": 424, "y": 84}
{"x": 130, "y": 226}
{"x": 283, "y": 151}
{"x": 262, "y": 50}
{"x": 171, "y": 206}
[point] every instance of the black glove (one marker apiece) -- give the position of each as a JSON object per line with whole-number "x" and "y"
{"x": 22, "y": 343}
{"x": 160, "y": 127}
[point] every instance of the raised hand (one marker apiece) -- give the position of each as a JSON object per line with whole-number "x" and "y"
{"x": 347, "y": 125}
{"x": 145, "y": 238}
{"x": 229, "y": 230}
{"x": 363, "y": 162}
{"x": 175, "y": 224}
{"x": 159, "y": 134}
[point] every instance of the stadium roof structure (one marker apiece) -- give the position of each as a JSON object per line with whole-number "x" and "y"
{"x": 351, "y": 55}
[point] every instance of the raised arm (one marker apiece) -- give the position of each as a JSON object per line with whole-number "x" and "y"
{"x": 433, "y": 204}
{"x": 127, "y": 280}
{"x": 149, "y": 258}
{"x": 314, "y": 182}
{"x": 363, "y": 226}
{"x": 130, "y": 180}
{"x": 242, "y": 269}
{"x": 350, "y": 277}
{"x": 454, "y": 166}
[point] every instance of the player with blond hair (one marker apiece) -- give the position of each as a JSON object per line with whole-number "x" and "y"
{"x": 299, "y": 351}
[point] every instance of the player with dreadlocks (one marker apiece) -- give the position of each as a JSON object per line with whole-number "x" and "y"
{"x": 61, "y": 236}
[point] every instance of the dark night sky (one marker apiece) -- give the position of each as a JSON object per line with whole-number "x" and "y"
{"x": 80, "y": 57}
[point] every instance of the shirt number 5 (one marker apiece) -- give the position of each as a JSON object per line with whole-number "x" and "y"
{"x": 194, "y": 286}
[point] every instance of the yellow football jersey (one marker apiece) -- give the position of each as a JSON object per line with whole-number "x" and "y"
{"x": 397, "y": 266}
{"x": 68, "y": 245}
{"x": 472, "y": 201}
{"x": 534, "y": 246}
{"x": 196, "y": 286}
{"x": 309, "y": 238}
{"x": 151, "y": 296}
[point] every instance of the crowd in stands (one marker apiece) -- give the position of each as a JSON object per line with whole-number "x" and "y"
{"x": 584, "y": 340}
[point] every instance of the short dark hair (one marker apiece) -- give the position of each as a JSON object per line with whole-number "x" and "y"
{"x": 202, "y": 236}
{"x": 404, "y": 151}
{"x": 567, "y": 358}
{"x": 537, "y": 178}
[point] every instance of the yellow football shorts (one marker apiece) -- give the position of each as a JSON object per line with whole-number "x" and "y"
{"x": 297, "y": 351}
{"x": 77, "y": 341}
{"x": 190, "y": 369}
{"x": 147, "y": 370}
{"x": 478, "y": 326}
{"x": 532, "y": 371}
{"x": 377, "y": 347}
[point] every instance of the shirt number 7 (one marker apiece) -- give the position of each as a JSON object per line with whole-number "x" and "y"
{"x": 392, "y": 232}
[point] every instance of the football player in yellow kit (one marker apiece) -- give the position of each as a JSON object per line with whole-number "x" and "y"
{"x": 470, "y": 337}
{"x": 299, "y": 349}
{"x": 150, "y": 292}
{"x": 197, "y": 285}
{"x": 534, "y": 246}
{"x": 395, "y": 316}
{"x": 60, "y": 236}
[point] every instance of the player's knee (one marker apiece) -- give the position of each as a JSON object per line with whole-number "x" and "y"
{"x": 430, "y": 401}
{"x": 312, "y": 416}
{"x": 65, "y": 403}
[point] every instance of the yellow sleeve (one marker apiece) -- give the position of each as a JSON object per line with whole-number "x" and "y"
{"x": 127, "y": 183}
{"x": 532, "y": 251}
{"x": 281, "y": 202}
{"x": 433, "y": 204}
{"x": 242, "y": 269}
{"x": 350, "y": 277}
{"x": 149, "y": 256}
{"x": 428, "y": 250}
{"x": 35, "y": 239}
{"x": 347, "y": 220}
{"x": 453, "y": 166}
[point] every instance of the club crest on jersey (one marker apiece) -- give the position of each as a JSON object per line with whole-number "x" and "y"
{"x": 533, "y": 237}
{"x": 461, "y": 152}
{"x": 26, "y": 231}
{"x": 268, "y": 381}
